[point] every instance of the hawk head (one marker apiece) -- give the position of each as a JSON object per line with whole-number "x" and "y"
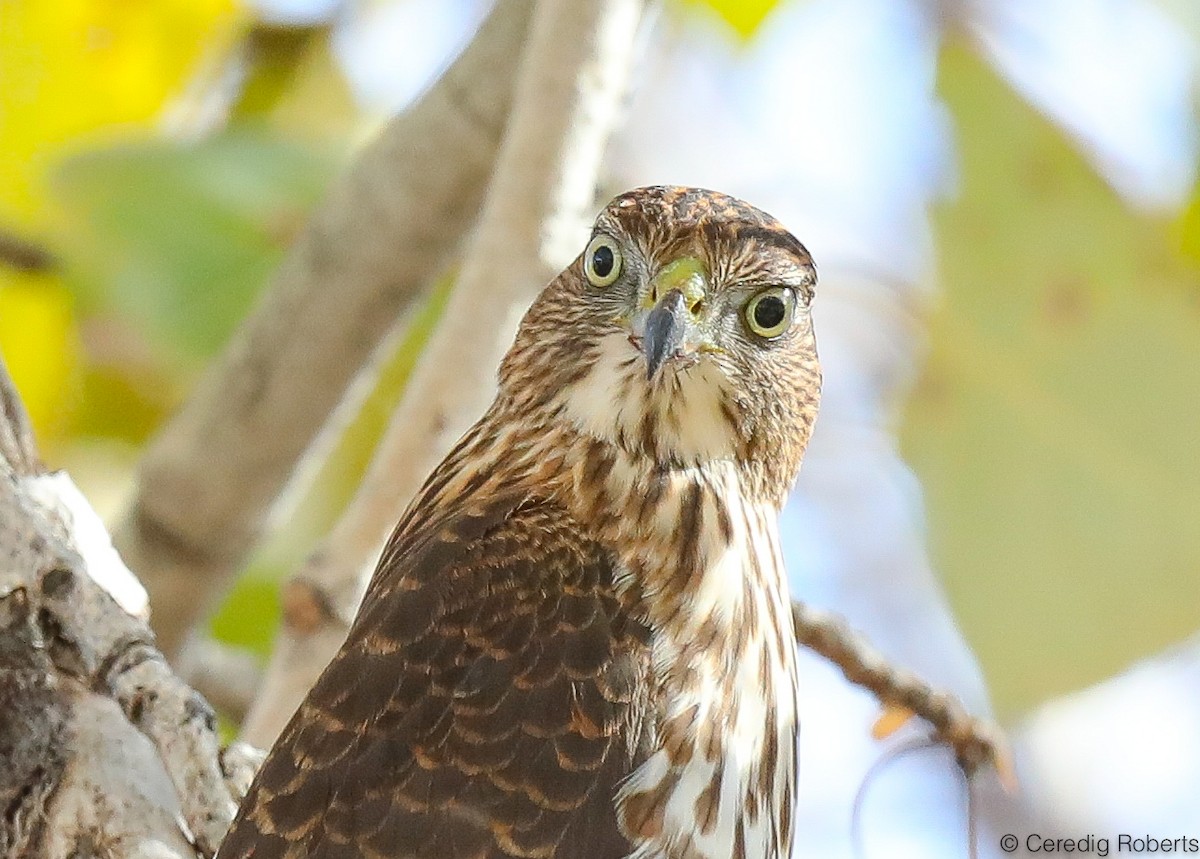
{"x": 681, "y": 333}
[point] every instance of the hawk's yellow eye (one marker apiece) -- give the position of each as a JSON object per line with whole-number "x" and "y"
{"x": 769, "y": 313}
{"x": 602, "y": 261}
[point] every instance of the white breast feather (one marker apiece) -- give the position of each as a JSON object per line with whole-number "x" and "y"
{"x": 720, "y": 592}
{"x": 608, "y": 403}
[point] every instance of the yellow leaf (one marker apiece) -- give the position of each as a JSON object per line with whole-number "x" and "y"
{"x": 743, "y": 16}
{"x": 892, "y": 719}
{"x": 73, "y": 71}
{"x": 71, "y": 67}
{"x": 37, "y": 338}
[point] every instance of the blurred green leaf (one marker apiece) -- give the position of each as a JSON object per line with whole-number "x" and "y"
{"x": 1056, "y": 424}
{"x": 179, "y": 238}
{"x": 250, "y": 615}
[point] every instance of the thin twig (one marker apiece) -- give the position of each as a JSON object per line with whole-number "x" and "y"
{"x": 975, "y": 741}
{"x": 568, "y": 92}
{"x": 392, "y": 224}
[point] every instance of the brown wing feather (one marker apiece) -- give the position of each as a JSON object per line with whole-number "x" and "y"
{"x": 486, "y": 704}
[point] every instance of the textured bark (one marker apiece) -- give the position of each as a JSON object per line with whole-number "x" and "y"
{"x": 567, "y": 98}
{"x": 105, "y": 750}
{"x": 389, "y": 227}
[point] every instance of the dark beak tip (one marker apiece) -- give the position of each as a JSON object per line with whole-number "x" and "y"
{"x": 666, "y": 327}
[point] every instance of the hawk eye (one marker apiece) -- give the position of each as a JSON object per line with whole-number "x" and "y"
{"x": 602, "y": 261}
{"x": 769, "y": 313}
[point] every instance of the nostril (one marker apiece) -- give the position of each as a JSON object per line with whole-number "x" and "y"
{"x": 696, "y": 306}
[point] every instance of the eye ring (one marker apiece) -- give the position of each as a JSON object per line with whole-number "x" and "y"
{"x": 769, "y": 313}
{"x": 602, "y": 261}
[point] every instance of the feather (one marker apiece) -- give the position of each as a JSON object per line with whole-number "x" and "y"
{"x": 513, "y": 708}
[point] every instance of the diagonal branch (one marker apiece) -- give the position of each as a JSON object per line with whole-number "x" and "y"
{"x": 567, "y": 99}
{"x": 976, "y": 742}
{"x": 392, "y": 224}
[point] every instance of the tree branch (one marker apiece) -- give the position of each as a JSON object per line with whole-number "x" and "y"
{"x": 566, "y": 103}
{"x": 109, "y": 748}
{"x": 390, "y": 226}
{"x": 227, "y": 676}
{"x": 976, "y": 742}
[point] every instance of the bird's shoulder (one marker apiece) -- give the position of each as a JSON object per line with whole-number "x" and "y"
{"x": 488, "y": 700}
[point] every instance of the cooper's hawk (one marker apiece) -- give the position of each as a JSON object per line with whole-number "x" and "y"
{"x": 578, "y": 641}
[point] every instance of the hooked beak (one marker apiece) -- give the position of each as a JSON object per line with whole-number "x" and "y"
{"x": 666, "y": 330}
{"x": 670, "y": 329}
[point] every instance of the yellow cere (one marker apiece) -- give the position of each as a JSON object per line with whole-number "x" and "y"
{"x": 687, "y": 274}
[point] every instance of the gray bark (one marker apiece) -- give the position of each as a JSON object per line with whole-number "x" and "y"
{"x": 106, "y": 752}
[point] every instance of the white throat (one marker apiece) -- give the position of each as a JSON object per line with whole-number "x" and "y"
{"x": 683, "y": 406}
